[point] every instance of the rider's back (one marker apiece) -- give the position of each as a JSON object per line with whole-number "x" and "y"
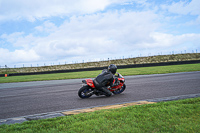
{"x": 104, "y": 78}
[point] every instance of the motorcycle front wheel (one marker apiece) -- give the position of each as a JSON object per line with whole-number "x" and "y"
{"x": 85, "y": 92}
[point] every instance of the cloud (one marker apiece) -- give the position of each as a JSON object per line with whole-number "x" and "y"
{"x": 46, "y": 27}
{"x": 17, "y": 56}
{"x": 184, "y": 7}
{"x": 100, "y": 33}
{"x": 96, "y": 34}
{"x": 19, "y": 40}
{"x": 163, "y": 40}
{"x": 92, "y": 34}
{"x": 37, "y": 9}
{"x": 87, "y": 33}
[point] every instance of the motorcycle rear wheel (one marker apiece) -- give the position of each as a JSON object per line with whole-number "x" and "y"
{"x": 85, "y": 92}
{"x": 118, "y": 91}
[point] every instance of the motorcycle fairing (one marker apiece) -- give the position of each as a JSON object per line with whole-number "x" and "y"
{"x": 89, "y": 82}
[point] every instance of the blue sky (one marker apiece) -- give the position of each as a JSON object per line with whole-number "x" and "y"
{"x": 64, "y": 31}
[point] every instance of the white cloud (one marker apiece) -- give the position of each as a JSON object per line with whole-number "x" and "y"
{"x": 37, "y": 9}
{"x": 184, "y": 7}
{"x": 87, "y": 35}
{"x": 12, "y": 37}
{"x": 98, "y": 33}
{"x": 46, "y": 27}
{"x": 19, "y": 40}
{"x": 17, "y": 56}
{"x": 112, "y": 32}
{"x": 163, "y": 40}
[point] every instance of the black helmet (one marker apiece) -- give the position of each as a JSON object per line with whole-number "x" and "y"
{"x": 112, "y": 68}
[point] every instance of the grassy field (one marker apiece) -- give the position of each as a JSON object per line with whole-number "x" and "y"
{"x": 91, "y": 74}
{"x": 181, "y": 116}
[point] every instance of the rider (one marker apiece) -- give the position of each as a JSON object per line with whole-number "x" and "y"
{"x": 104, "y": 78}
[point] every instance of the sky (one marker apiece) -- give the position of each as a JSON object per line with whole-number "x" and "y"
{"x": 53, "y": 32}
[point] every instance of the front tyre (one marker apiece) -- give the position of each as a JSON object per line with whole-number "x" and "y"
{"x": 118, "y": 91}
{"x": 85, "y": 92}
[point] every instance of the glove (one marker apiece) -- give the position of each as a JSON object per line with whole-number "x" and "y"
{"x": 116, "y": 83}
{"x": 108, "y": 87}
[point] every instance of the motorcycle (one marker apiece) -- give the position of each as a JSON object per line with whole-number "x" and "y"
{"x": 88, "y": 89}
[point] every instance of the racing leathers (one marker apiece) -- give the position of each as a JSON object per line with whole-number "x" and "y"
{"x": 100, "y": 82}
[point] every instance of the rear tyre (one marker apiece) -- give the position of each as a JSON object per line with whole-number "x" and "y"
{"x": 118, "y": 91}
{"x": 85, "y": 92}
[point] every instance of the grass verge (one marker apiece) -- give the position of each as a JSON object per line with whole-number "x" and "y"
{"x": 180, "y": 116}
{"x": 90, "y": 74}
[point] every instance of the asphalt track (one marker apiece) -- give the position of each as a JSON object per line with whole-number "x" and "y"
{"x": 29, "y": 98}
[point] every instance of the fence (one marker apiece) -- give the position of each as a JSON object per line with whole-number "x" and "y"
{"x": 92, "y": 60}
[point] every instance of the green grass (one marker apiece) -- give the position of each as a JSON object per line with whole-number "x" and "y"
{"x": 181, "y": 116}
{"x": 91, "y": 74}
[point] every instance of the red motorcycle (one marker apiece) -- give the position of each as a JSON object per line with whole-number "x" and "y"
{"x": 89, "y": 89}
